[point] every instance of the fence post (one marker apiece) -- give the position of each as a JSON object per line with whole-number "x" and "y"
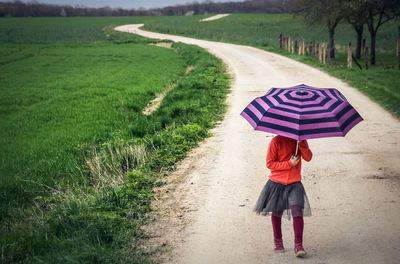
{"x": 280, "y": 41}
{"x": 324, "y": 53}
{"x": 289, "y": 41}
{"x": 312, "y": 48}
{"x": 292, "y": 46}
{"x": 306, "y": 48}
{"x": 303, "y": 47}
{"x": 284, "y": 43}
{"x": 328, "y": 58}
{"x": 366, "y": 57}
{"x": 319, "y": 52}
{"x": 299, "y": 48}
{"x": 349, "y": 57}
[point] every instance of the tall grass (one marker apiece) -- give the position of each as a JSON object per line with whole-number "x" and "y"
{"x": 78, "y": 157}
{"x": 107, "y": 167}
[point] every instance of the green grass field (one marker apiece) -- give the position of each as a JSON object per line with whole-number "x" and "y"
{"x": 264, "y": 30}
{"x": 380, "y": 82}
{"x": 65, "y": 98}
{"x": 53, "y": 30}
{"x": 78, "y": 157}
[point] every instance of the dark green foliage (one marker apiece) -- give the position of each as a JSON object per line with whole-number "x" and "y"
{"x": 132, "y": 198}
{"x": 173, "y": 143}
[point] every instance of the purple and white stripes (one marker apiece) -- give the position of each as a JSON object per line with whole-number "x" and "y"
{"x": 302, "y": 112}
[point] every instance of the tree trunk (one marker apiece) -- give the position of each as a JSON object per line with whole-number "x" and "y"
{"x": 359, "y": 41}
{"x": 328, "y": 58}
{"x": 373, "y": 42}
{"x": 331, "y": 42}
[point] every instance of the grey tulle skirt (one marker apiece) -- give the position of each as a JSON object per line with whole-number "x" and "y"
{"x": 278, "y": 199}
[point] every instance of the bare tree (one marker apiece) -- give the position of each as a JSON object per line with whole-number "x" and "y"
{"x": 355, "y": 12}
{"x": 329, "y": 12}
{"x": 378, "y": 13}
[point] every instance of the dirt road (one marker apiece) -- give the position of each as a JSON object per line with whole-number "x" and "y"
{"x": 216, "y": 17}
{"x": 353, "y": 183}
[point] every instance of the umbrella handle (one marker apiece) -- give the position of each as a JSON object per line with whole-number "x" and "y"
{"x": 297, "y": 148}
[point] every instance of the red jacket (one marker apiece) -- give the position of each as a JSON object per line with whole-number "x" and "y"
{"x": 280, "y": 150}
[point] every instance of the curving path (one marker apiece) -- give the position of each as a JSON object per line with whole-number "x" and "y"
{"x": 352, "y": 183}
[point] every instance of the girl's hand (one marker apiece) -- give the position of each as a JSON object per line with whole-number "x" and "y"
{"x": 303, "y": 144}
{"x": 294, "y": 160}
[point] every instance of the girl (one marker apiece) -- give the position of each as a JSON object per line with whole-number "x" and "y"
{"x": 284, "y": 192}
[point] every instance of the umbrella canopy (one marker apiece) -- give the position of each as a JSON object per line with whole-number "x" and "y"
{"x": 302, "y": 112}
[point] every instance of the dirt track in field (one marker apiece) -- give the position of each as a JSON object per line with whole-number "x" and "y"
{"x": 352, "y": 183}
{"x": 216, "y": 17}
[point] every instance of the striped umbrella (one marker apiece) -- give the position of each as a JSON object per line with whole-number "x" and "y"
{"x": 302, "y": 112}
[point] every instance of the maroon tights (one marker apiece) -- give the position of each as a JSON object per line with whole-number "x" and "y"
{"x": 298, "y": 223}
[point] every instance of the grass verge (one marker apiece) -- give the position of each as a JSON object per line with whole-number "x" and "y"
{"x": 380, "y": 83}
{"x": 79, "y": 158}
